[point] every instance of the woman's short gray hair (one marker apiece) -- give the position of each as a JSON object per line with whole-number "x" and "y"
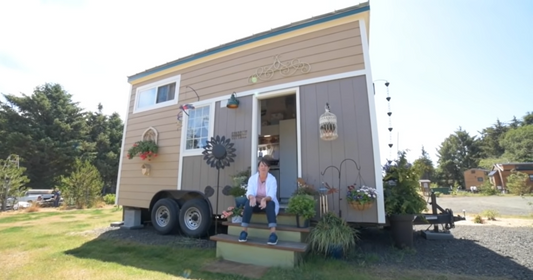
{"x": 264, "y": 161}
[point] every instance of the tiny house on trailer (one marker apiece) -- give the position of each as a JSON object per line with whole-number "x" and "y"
{"x": 280, "y": 83}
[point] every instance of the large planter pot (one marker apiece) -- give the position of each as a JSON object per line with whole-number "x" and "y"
{"x": 335, "y": 251}
{"x": 240, "y": 201}
{"x": 301, "y": 222}
{"x": 401, "y": 226}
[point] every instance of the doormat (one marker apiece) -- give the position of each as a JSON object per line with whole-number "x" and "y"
{"x": 229, "y": 267}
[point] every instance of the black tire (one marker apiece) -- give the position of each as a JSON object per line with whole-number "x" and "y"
{"x": 195, "y": 218}
{"x": 165, "y": 216}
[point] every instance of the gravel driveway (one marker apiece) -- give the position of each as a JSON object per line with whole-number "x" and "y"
{"x": 505, "y": 205}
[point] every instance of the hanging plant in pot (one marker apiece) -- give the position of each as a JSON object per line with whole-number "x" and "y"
{"x": 402, "y": 201}
{"x": 144, "y": 150}
{"x": 303, "y": 206}
{"x": 361, "y": 198}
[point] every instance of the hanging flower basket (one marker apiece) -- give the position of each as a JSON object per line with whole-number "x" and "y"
{"x": 357, "y": 205}
{"x": 328, "y": 125}
{"x": 144, "y": 150}
{"x": 361, "y": 198}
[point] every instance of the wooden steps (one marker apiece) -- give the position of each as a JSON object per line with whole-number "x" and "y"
{"x": 262, "y": 243}
{"x": 288, "y": 252}
{"x": 286, "y": 233}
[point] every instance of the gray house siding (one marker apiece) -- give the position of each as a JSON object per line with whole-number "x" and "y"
{"x": 197, "y": 174}
{"x": 348, "y": 100}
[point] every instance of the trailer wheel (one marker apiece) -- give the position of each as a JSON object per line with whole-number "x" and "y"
{"x": 165, "y": 215}
{"x": 195, "y": 218}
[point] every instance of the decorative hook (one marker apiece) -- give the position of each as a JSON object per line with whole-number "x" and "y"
{"x": 194, "y": 92}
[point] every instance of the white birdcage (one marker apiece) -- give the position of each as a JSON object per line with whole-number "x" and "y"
{"x": 328, "y": 125}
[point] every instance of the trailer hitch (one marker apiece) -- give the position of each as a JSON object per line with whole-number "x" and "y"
{"x": 445, "y": 217}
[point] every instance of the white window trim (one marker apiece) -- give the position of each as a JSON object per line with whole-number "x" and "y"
{"x": 185, "y": 127}
{"x": 175, "y": 79}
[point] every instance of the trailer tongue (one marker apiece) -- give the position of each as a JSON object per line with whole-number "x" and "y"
{"x": 445, "y": 218}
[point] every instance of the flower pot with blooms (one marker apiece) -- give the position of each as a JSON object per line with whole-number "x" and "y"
{"x": 235, "y": 213}
{"x": 144, "y": 150}
{"x": 361, "y": 198}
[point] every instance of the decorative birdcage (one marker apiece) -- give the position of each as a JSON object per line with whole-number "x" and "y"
{"x": 328, "y": 125}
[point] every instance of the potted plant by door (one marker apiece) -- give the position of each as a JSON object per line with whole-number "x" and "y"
{"x": 332, "y": 236}
{"x": 303, "y": 206}
{"x": 240, "y": 184}
{"x": 402, "y": 201}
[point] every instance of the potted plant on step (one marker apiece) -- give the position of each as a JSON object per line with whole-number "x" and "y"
{"x": 304, "y": 188}
{"x": 235, "y": 213}
{"x": 303, "y": 206}
{"x": 332, "y": 236}
{"x": 402, "y": 201}
{"x": 240, "y": 184}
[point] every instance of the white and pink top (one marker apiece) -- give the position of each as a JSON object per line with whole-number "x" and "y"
{"x": 261, "y": 189}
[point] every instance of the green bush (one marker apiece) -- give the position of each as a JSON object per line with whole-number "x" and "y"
{"x": 82, "y": 188}
{"x": 490, "y": 214}
{"x": 302, "y": 205}
{"x": 109, "y": 199}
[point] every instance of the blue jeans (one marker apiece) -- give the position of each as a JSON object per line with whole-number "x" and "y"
{"x": 270, "y": 212}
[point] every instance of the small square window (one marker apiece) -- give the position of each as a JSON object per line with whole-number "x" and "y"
{"x": 156, "y": 95}
{"x": 480, "y": 179}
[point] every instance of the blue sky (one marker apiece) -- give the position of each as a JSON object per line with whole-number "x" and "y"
{"x": 451, "y": 64}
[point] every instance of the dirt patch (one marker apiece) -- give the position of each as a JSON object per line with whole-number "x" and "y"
{"x": 13, "y": 260}
{"x": 503, "y": 222}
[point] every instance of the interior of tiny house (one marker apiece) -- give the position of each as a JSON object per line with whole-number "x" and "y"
{"x": 278, "y": 142}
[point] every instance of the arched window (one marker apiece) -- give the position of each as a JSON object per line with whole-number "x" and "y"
{"x": 150, "y": 134}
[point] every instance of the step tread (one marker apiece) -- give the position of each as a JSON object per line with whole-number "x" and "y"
{"x": 265, "y": 226}
{"x": 262, "y": 242}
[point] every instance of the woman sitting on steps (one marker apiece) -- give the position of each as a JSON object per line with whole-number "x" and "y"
{"x": 261, "y": 196}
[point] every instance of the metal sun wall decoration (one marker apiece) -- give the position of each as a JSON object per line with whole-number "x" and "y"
{"x": 218, "y": 153}
{"x": 285, "y": 69}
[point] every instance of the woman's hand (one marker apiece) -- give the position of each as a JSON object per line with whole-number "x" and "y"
{"x": 252, "y": 200}
{"x": 263, "y": 203}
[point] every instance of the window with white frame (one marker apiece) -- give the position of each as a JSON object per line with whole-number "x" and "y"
{"x": 159, "y": 94}
{"x": 198, "y": 125}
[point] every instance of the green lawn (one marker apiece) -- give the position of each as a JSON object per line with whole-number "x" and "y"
{"x": 60, "y": 244}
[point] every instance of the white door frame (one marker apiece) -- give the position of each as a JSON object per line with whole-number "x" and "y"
{"x": 256, "y": 98}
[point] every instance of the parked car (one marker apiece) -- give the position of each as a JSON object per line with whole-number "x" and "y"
{"x": 14, "y": 204}
{"x": 44, "y": 197}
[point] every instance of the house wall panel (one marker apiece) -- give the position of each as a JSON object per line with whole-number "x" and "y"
{"x": 329, "y": 51}
{"x": 348, "y": 100}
